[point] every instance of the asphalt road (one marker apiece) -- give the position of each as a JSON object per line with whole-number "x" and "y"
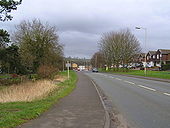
{"x": 144, "y": 103}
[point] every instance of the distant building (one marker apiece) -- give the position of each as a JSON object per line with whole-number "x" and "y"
{"x": 74, "y": 66}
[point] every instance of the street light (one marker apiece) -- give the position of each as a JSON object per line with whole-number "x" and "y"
{"x": 145, "y": 29}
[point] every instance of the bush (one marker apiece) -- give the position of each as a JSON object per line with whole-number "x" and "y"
{"x": 47, "y": 71}
{"x": 165, "y": 67}
{"x": 14, "y": 75}
{"x": 5, "y": 82}
{"x": 33, "y": 77}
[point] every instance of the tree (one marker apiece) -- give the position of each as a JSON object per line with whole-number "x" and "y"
{"x": 6, "y": 6}
{"x": 119, "y": 48}
{"x": 38, "y": 44}
{"x": 97, "y": 60}
{"x": 10, "y": 60}
{"x": 4, "y": 38}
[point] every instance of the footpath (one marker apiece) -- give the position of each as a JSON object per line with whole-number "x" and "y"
{"x": 81, "y": 109}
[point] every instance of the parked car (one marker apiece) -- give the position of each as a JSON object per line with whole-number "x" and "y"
{"x": 95, "y": 70}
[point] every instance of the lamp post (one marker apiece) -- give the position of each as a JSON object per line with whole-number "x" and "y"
{"x": 145, "y": 29}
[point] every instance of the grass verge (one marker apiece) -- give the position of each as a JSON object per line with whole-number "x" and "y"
{"x": 155, "y": 74}
{"x": 15, "y": 113}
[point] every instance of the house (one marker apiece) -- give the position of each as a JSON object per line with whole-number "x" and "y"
{"x": 150, "y": 58}
{"x": 141, "y": 58}
{"x": 153, "y": 58}
{"x": 74, "y": 66}
{"x": 162, "y": 56}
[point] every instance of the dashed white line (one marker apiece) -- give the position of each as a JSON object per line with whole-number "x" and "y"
{"x": 129, "y": 82}
{"x": 110, "y": 76}
{"x": 168, "y": 94}
{"x": 118, "y": 79}
{"x": 147, "y": 88}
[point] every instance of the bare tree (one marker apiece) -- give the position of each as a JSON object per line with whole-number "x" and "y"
{"x": 98, "y": 60}
{"x": 119, "y": 48}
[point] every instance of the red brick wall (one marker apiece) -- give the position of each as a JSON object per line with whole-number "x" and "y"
{"x": 168, "y": 56}
{"x": 164, "y": 57}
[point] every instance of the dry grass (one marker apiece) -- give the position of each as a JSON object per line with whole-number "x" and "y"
{"x": 59, "y": 78}
{"x": 28, "y": 91}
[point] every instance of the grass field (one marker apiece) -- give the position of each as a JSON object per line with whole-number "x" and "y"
{"x": 15, "y": 113}
{"x": 155, "y": 74}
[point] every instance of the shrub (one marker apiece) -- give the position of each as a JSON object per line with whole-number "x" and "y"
{"x": 14, "y": 75}
{"x": 47, "y": 71}
{"x": 166, "y": 67}
{"x": 10, "y": 81}
{"x": 33, "y": 77}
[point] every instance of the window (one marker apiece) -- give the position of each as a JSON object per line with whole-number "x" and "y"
{"x": 147, "y": 57}
{"x": 153, "y": 56}
{"x": 158, "y": 56}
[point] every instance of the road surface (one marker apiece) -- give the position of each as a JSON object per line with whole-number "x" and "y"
{"x": 144, "y": 103}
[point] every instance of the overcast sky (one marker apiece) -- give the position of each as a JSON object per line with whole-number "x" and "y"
{"x": 80, "y": 23}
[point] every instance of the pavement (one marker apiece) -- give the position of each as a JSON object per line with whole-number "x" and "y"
{"x": 81, "y": 109}
{"x": 143, "y": 103}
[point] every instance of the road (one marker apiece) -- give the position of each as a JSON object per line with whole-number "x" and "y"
{"x": 144, "y": 103}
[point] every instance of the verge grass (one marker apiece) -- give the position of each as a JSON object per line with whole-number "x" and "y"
{"x": 13, "y": 114}
{"x": 155, "y": 74}
{"x": 28, "y": 91}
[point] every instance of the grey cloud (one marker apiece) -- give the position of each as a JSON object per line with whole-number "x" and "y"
{"x": 81, "y": 23}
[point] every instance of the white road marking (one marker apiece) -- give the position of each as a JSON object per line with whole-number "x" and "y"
{"x": 110, "y": 76}
{"x": 118, "y": 79}
{"x": 147, "y": 88}
{"x": 129, "y": 82}
{"x": 168, "y": 94}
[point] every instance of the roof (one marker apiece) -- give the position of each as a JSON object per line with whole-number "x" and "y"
{"x": 152, "y": 52}
{"x": 164, "y": 51}
{"x": 142, "y": 54}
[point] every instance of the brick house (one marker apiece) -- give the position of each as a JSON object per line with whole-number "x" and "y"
{"x": 151, "y": 58}
{"x": 141, "y": 58}
{"x": 162, "y": 56}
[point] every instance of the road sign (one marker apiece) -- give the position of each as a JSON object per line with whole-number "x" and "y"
{"x": 68, "y": 65}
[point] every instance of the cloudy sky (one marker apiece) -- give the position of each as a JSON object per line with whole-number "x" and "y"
{"x": 81, "y": 23}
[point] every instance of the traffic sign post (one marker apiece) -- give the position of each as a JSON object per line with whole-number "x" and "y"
{"x": 68, "y": 65}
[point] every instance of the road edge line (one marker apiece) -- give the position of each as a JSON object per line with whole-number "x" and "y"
{"x": 107, "y": 117}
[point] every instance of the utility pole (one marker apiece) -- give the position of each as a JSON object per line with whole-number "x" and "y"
{"x": 68, "y": 69}
{"x": 63, "y": 65}
{"x": 145, "y": 29}
{"x": 96, "y": 61}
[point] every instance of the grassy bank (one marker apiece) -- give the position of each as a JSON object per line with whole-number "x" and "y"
{"x": 15, "y": 113}
{"x": 155, "y": 74}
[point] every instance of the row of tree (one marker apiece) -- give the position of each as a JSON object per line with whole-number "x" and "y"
{"x": 116, "y": 48}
